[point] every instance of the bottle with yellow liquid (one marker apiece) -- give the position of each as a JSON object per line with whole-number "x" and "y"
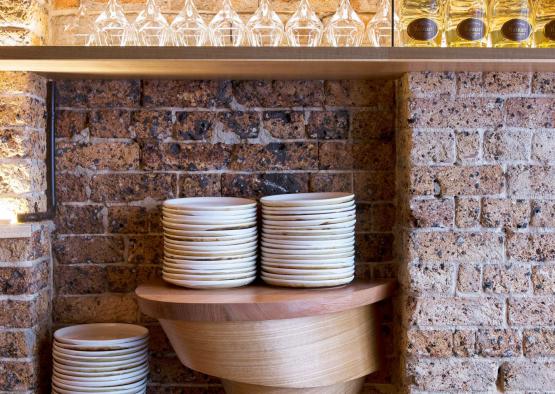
{"x": 466, "y": 23}
{"x": 544, "y": 35}
{"x": 421, "y": 22}
{"x": 512, "y": 23}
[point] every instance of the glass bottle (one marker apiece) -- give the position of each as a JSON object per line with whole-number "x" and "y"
{"x": 544, "y": 35}
{"x": 189, "y": 28}
{"x": 466, "y": 23}
{"x": 379, "y": 27}
{"x": 80, "y": 29}
{"x": 151, "y": 26}
{"x": 344, "y": 29}
{"x": 304, "y": 29}
{"x": 511, "y": 23}
{"x": 421, "y": 23}
{"x": 112, "y": 27}
{"x": 227, "y": 28}
{"x": 265, "y": 28}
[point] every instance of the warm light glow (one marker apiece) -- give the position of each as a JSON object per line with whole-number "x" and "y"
{"x": 8, "y": 214}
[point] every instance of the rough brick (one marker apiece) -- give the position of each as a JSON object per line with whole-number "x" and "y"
{"x": 87, "y": 249}
{"x": 425, "y": 84}
{"x": 429, "y": 278}
{"x": 148, "y": 249}
{"x": 274, "y": 156}
{"x": 469, "y": 83}
{"x": 72, "y": 187}
{"x": 543, "y": 279}
{"x": 543, "y": 83}
{"x": 528, "y": 375}
{"x": 497, "y": 212}
{"x": 23, "y": 249}
{"x": 506, "y": 278}
{"x": 259, "y": 185}
{"x": 375, "y": 217}
{"x": 468, "y": 278}
{"x": 464, "y": 343}
{"x": 199, "y": 185}
{"x": 468, "y": 145}
{"x": 507, "y": 145}
{"x": 539, "y": 342}
{"x": 24, "y": 280}
{"x": 80, "y": 279}
{"x": 284, "y": 124}
{"x": 372, "y": 124}
{"x": 530, "y": 112}
{"x": 147, "y": 124}
{"x": 339, "y": 182}
{"x": 17, "y": 376}
{"x": 70, "y": 123}
{"x": 456, "y": 246}
{"x": 200, "y": 126}
{"x": 18, "y": 143}
{"x": 184, "y": 156}
{"x": 132, "y": 187}
{"x": 531, "y": 247}
{"x": 374, "y": 185}
{"x": 537, "y": 311}
{"x": 374, "y": 155}
{"x": 278, "y": 93}
{"x": 110, "y": 124}
{"x": 467, "y": 212}
{"x": 79, "y": 219}
{"x": 335, "y": 155}
{"x": 100, "y": 156}
{"x": 507, "y": 82}
{"x": 531, "y": 181}
{"x": 97, "y": 308}
{"x": 22, "y": 111}
{"x": 360, "y": 93}
{"x": 98, "y": 93}
{"x": 127, "y": 220}
{"x": 17, "y": 344}
{"x": 432, "y": 213}
{"x": 498, "y": 342}
{"x": 374, "y": 247}
{"x": 458, "y": 311}
{"x": 543, "y": 146}
{"x": 453, "y": 375}
{"x": 431, "y": 147}
{"x": 457, "y": 181}
{"x": 434, "y": 343}
{"x": 328, "y": 125}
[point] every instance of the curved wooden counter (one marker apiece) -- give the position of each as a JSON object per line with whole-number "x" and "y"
{"x": 257, "y": 302}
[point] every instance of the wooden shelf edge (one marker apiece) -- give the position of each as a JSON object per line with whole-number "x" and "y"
{"x": 265, "y": 63}
{"x": 257, "y": 302}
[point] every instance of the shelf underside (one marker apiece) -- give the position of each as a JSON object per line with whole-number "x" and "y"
{"x": 265, "y": 63}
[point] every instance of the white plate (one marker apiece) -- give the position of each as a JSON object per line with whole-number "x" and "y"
{"x": 138, "y": 390}
{"x": 97, "y": 369}
{"x": 210, "y": 248}
{"x": 315, "y": 277}
{"x": 121, "y": 346}
{"x": 210, "y": 267}
{"x": 209, "y": 255}
{"x": 306, "y": 199}
{"x": 306, "y": 266}
{"x": 101, "y": 334}
{"x": 307, "y": 257}
{"x": 308, "y": 225}
{"x": 296, "y": 245}
{"x": 308, "y": 283}
{"x": 210, "y": 263}
{"x": 307, "y": 238}
{"x": 313, "y": 271}
{"x": 210, "y": 278}
{"x": 219, "y": 234}
{"x": 238, "y": 241}
{"x": 210, "y": 203}
{"x": 304, "y": 260}
{"x": 313, "y": 232}
{"x": 107, "y": 389}
{"x": 321, "y": 216}
{"x": 100, "y": 364}
{"x": 100, "y": 353}
{"x": 223, "y": 284}
{"x": 88, "y": 382}
{"x": 312, "y": 252}
{"x": 208, "y": 227}
{"x": 106, "y": 374}
{"x": 72, "y": 357}
{"x": 202, "y": 222}
{"x": 208, "y": 214}
{"x": 336, "y": 208}
{"x": 184, "y": 271}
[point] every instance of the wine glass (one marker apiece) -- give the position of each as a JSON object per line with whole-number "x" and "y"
{"x": 151, "y": 26}
{"x": 345, "y": 29}
{"x": 379, "y": 27}
{"x": 265, "y": 28}
{"x": 80, "y": 28}
{"x": 304, "y": 29}
{"x": 227, "y": 28}
{"x": 188, "y": 27}
{"x": 112, "y": 27}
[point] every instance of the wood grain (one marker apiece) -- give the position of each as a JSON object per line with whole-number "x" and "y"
{"x": 303, "y": 352}
{"x": 257, "y": 302}
{"x": 266, "y": 63}
{"x": 350, "y": 387}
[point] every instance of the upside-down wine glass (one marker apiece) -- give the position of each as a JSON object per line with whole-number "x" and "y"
{"x": 265, "y": 28}
{"x": 304, "y": 29}
{"x": 152, "y": 27}
{"x": 345, "y": 28}
{"x": 189, "y": 28}
{"x": 79, "y": 30}
{"x": 227, "y": 28}
{"x": 379, "y": 27}
{"x": 112, "y": 27}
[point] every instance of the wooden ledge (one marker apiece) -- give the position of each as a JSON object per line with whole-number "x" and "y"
{"x": 257, "y": 302}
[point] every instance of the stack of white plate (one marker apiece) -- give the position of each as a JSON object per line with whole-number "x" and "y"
{"x": 210, "y": 242}
{"x": 100, "y": 358}
{"x": 308, "y": 239}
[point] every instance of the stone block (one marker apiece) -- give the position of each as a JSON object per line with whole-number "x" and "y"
{"x": 432, "y": 213}
{"x": 199, "y": 185}
{"x": 539, "y": 342}
{"x": 335, "y": 155}
{"x": 100, "y": 156}
{"x": 431, "y": 278}
{"x": 507, "y": 145}
{"x": 432, "y": 147}
{"x": 88, "y": 249}
{"x": 72, "y": 219}
{"x": 467, "y": 212}
{"x": 328, "y": 125}
{"x": 534, "y": 181}
{"x": 95, "y": 308}
{"x": 127, "y": 220}
{"x": 507, "y": 82}
{"x": 498, "y": 343}
{"x": 132, "y": 187}
{"x": 278, "y": 94}
{"x": 530, "y": 112}
{"x": 500, "y": 212}
{"x": 506, "y": 279}
{"x": 531, "y": 247}
{"x": 543, "y": 279}
{"x": 528, "y": 375}
{"x": 146, "y": 124}
{"x": 99, "y": 93}
{"x": 110, "y": 124}
{"x": 259, "y": 185}
{"x": 274, "y": 156}
{"x": 469, "y": 278}
{"x": 543, "y": 146}
{"x": 430, "y": 343}
{"x": 80, "y": 279}
{"x": 468, "y": 145}
{"x": 284, "y": 124}
{"x": 483, "y": 311}
{"x": 532, "y": 311}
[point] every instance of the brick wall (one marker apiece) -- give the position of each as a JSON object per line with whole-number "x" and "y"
{"x": 125, "y": 146}
{"x": 477, "y": 181}
{"x": 23, "y": 22}
{"x": 63, "y": 11}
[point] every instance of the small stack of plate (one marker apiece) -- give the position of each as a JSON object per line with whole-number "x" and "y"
{"x": 100, "y": 358}
{"x": 210, "y": 242}
{"x": 308, "y": 239}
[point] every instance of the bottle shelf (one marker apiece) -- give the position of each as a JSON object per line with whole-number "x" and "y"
{"x": 265, "y": 63}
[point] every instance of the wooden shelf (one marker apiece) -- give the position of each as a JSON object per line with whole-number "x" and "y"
{"x": 265, "y": 63}
{"x": 256, "y": 302}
